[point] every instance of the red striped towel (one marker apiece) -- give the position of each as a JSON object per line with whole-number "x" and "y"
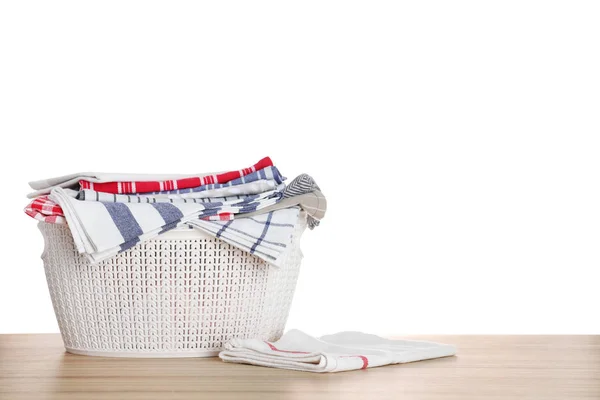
{"x": 174, "y": 184}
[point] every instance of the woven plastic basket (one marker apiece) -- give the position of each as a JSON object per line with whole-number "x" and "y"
{"x": 183, "y": 294}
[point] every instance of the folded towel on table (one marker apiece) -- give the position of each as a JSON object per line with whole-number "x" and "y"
{"x": 344, "y": 351}
{"x": 139, "y": 183}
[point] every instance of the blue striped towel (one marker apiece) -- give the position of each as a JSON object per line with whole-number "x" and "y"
{"x": 103, "y": 229}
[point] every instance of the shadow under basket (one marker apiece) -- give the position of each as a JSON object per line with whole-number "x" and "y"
{"x": 182, "y": 294}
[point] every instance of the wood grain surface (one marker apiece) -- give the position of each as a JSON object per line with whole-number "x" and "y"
{"x": 487, "y": 367}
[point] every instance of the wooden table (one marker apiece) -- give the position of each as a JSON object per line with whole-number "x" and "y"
{"x": 493, "y": 367}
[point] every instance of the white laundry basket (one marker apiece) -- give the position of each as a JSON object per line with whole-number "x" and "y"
{"x": 183, "y": 294}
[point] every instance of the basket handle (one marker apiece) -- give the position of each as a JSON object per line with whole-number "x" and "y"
{"x": 45, "y": 236}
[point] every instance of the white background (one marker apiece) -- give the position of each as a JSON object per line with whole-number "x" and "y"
{"x": 457, "y": 143}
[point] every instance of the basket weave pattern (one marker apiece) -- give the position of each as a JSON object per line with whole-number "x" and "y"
{"x": 166, "y": 297}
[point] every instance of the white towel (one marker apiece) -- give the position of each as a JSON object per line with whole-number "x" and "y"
{"x": 45, "y": 186}
{"x": 102, "y": 229}
{"x": 265, "y": 235}
{"x": 343, "y": 351}
{"x": 256, "y": 187}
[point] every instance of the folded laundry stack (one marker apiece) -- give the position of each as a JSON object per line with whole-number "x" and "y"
{"x": 252, "y": 209}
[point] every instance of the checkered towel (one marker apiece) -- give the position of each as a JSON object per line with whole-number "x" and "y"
{"x": 103, "y": 229}
{"x": 45, "y": 210}
{"x": 344, "y": 351}
{"x": 265, "y": 235}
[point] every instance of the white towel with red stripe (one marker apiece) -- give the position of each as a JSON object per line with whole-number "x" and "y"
{"x": 45, "y": 186}
{"x": 343, "y": 351}
{"x": 146, "y": 183}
